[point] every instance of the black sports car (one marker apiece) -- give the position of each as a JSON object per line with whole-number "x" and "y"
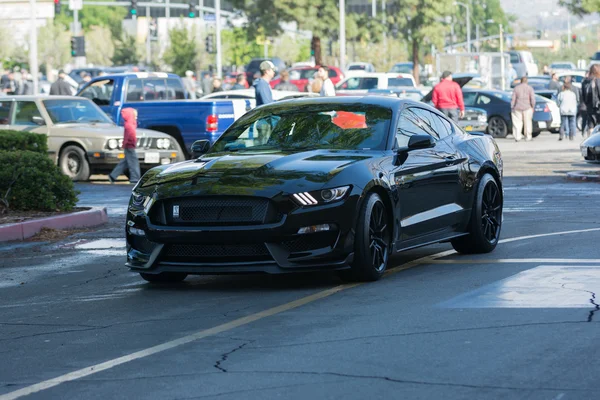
{"x": 590, "y": 147}
{"x": 335, "y": 183}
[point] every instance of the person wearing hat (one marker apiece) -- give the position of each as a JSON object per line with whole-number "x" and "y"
{"x": 61, "y": 87}
{"x": 261, "y": 85}
{"x": 448, "y": 98}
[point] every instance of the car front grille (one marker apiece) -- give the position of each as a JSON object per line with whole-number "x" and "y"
{"x": 220, "y": 211}
{"x": 141, "y": 244}
{"x": 217, "y": 253}
{"x": 310, "y": 242}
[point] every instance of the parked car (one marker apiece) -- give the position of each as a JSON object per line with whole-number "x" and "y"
{"x": 361, "y": 84}
{"x": 577, "y": 76}
{"x": 359, "y": 68}
{"x": 523, "y": 63}
{"x": 561, "y": 66}
{"x": 160, "y": 101}
{"x": 318, "y": 185}
{"x": 303, "y": 76}
{"x": 253, "y": 67}
{"x": 541, "y": 82}
{"x": 407, "y": 68}
{"x": 82, "y": 140}
{"x": 590, "y": 147}
{"x": 246, "y": 98}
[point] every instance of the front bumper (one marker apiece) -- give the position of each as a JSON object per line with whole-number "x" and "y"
{"x": 147, "y": 159}
{"x": 590, "y": 153}
{"x": 268, "y": 248}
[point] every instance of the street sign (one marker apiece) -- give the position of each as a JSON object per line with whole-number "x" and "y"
{"x": 75, "y": 5}
{"x": 210, "y": 17}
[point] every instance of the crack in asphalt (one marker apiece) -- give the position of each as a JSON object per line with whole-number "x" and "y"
{"x": 590, "y": 317}
{"x": 225, "y": 356}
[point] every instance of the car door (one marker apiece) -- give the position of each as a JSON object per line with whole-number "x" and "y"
{"x": 425, "y": 179}
{"x": 101, "y": 93}
{"x": 26, "y": 116}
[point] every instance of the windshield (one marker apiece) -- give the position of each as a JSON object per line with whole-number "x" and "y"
{"x": 561, "y": 66}
{"x": 402, "y": 68}
{"x": 397, "y": 82}
{"x": 333, "y": 126}
{"x": 410, "y": 95}
{"x": 76, "y": 110}
{"x": 357, "y": 67}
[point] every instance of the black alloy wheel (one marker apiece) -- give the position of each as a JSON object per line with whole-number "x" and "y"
{"x": 164, "y": 277}
{"x": 486, "y": 220}
{"x": 74, "y": 164}
{"x": 372, "y": 241}
{"x": 497, "y": 127}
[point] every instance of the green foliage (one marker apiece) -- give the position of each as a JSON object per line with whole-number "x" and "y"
{"x": 100, "y": 47}
{"x": 19, "y": 141}
{"x": 182, "y": 53}
{"x": 576, "y": 52}
{"x": 264, "y": 16}
{"x": 108, "y": 17}
{"x": 30, "y": 181}
{"x": 126, "y": 51}
{"x": 54, "y": 44}
{"x": 581, "y": 7}
{"x": 482, "y": 11}
{"x": 238, "y": 49}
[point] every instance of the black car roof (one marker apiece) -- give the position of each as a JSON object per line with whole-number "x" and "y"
{"x": 383, "y": 101}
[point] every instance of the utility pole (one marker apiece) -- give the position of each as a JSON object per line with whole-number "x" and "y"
{"x": 168, "y": 13}
{"x": 33, "y": 52}
{"x": 342, "y": 5}
{"x": 218, "y": 36}
{"x": 383, "y": 20}
{"x": 465, "y": 5}
{"x": 502, "y": 80}
{"x": 374, "y": 8}
{"x": 569, "y": 36}
{"x": 148, "y": 37}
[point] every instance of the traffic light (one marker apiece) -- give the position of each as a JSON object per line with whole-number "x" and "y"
{"x": 210, "y": 44}
{"x": 77, "y": 46}
{"x": 191, "y": 10}
{"x": 56, "y": 7}
{"x": 133, "y": 8}
{"x": 73, "y": 46}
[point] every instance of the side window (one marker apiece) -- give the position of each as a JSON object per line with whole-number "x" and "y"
{"x": 442, "y": 127}
{"x": 483, "y": 100}
{"x": 24, "y": 113}
{"x": 428, "y": 122}
{"x": 368, "y": 83}
{"x": 134, "y": 90}
{"x": 469, "y": 98}
{"x": 100, "y": 92}
{"x": 175, "y": 89}
{"x": 5, "y": 112}
{"x": 155, "y": 89}
{"x": 409, "y": 125}
{"x": 514, "y": 58}
{"x": 332, "y": 73}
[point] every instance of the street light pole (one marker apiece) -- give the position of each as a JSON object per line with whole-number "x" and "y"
{"x": 465, "y": 5}
{"x": 502, "y": 80}
{"x": 218, "y": 36}
{"x": 33, "y": 52}
{"x": 342, "y": 34}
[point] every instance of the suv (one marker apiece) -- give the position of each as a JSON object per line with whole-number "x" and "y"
{"x": 254, "y": 66}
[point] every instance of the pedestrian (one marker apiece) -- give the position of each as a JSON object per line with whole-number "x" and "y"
{"x": 189, "y": 84}
{"x": 284, "y": 83}
{"x": 327, "y": 89}
{"x": 448, "y": 98}
{"x": 207, "y": 84}
{"x": 27, "y": 87}
{"x": 567, "y": 103}
{"x": 10, "y": 85}
{"x": 130, "y": 162}
{"x": 261, "y": 85}
{"x": 85, "y": 78}
{"x": 511, "y": 74}
{"x": 217, "y": 85}
{"x": 591, "y": 97}
{"x": 61, "y": 87}
{"x": 554, "y": 84}
{"x": 522, "y": 106}
{"x": 545, "y": 70}
{"x": 240, "y": 82}
{"x": 316, "y": 84}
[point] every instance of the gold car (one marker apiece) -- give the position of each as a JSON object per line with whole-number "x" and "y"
{"x": 82, "y": 139}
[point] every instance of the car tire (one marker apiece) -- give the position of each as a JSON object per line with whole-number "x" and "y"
{"x": 535, "y": 134}
{"x": 74, "y": 164}
{"x": 485, "y": 223}
{"x": 372, "y": 243}
{"x": 497, "y": 127}
{"x": 164, "y": 277}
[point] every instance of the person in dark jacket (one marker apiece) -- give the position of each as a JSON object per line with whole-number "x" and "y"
{"x": 240, "y": 82}
{"x": 261, "y": 85}
{"x": 61, "y": 87}
{"x": 130, "y": 162}
{"x": 10, "y": 85}
{"x": 590, "y": 94}
{"x": 285, "y": 84}
{"x": 554, "y": 84}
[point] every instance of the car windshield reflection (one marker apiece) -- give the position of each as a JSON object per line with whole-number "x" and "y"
{"x": 64, "y": 111}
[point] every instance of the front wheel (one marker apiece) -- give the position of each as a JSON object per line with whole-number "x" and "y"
{"x": 74, "y": 164}
{"x": 497, "y": 127}
{"x": 164, "y": 277}
{"x": 372, "y": 241}
{"x": 486, "y": 220}
{"x": 535, "y": 134}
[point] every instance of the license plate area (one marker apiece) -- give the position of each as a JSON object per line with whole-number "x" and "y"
{"x": 151, "y": 158}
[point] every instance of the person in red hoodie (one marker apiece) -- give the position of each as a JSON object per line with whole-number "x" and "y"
{"x": 448, "y": 97}
{"x": 130, "y": 162}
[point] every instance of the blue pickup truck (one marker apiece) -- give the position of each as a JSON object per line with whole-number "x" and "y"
{"x": 160, "y": 100}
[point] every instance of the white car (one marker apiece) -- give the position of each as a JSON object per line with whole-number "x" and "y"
{"x": 578, "y": 76}
{"x": 561, "y": 66}
{"x": 379, "y": 80}
{"x": 359, "y": 68}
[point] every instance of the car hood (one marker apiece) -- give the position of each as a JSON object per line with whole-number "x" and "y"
{"x": 265, "y": 173}
{"x": 101, "y": 130}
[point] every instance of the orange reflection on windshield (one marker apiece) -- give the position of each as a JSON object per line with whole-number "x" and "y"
{"x": 349, "y": 120}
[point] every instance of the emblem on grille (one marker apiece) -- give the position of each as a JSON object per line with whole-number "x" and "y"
{"x": 176, "y": 211}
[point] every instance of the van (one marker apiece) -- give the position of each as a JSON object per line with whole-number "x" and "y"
{"x": 523, "y": 63}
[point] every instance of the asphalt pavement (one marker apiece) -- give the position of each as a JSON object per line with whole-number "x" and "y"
{"x": 519, "y": 323}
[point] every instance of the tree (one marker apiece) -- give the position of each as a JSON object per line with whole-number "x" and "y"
{"x": 238, "y": 49}
{"x": 109, "y": 17}
{"x": 99, "y": 46}
{"x": 54, "y": 45}
{"x": 321, "y": 17}
{"x": 182, "y": 54}
{"x": 126, "y": 52}
{"x": 264, "y": 17}
{"x": 488, "y": 14}
{"x": 581, "y": 7}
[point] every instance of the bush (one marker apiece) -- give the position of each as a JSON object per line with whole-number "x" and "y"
{"x": 20, "y": 140}
{"x": 30, "y": 181}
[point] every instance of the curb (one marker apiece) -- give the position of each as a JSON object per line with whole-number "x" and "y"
{"x": 584, "y": 176}
{"x": 81, "y": 219}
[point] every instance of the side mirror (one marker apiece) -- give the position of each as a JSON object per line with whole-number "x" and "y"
{"x": 36, "y": 119}
{"x": 420, "y": 142}
{"x": 200, "y": 147}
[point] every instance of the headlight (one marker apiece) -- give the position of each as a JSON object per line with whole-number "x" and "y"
{"x": 120, "y": 143}
{"x": 112, "y": 144}
{"x": 159, "y": 143}
{"x": 137, "y": 199}
{"x": 329, "y": 195}
{"x": 482, "y": 118}
{"x": 163, "y": 143}
{"x": 324, "y": 196}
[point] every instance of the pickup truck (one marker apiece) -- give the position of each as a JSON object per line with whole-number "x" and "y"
{"x": 160, "y": 100}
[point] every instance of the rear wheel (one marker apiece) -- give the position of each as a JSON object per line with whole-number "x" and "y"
{"x": 486, "y": 220}
{"x": 372, "y": 242}
{"x": 164, "y": 277}
{"x": 74, "y": 164}
{"x": 497, "y": 127}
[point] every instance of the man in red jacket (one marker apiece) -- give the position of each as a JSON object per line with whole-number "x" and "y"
{"x": 448, "y": 97}
{"x": 130, "y": 162}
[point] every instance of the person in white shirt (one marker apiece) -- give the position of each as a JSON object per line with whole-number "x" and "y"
{"x": 327, "y": 89}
